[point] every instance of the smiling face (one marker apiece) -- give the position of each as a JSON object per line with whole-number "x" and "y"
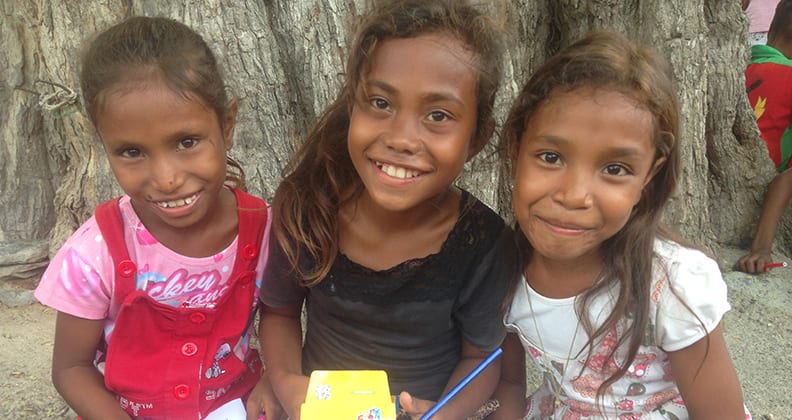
{"x": 580, "y": 166}
{"x": 412, "y": 126}
{"x": 168, "y": 154}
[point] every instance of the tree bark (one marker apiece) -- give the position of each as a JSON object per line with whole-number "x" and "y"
{"x": 284, "y": 62}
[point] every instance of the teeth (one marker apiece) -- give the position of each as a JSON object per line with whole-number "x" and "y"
{"x": 177, "y": 203}
{"x": 397, "y": 172}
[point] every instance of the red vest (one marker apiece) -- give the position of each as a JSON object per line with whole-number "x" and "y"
{"x": 180, "y": 363}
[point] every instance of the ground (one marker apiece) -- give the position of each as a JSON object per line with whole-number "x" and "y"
{"x": 758, "y": 331}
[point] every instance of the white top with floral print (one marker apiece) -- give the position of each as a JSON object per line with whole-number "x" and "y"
{"x": 648, "y": 390}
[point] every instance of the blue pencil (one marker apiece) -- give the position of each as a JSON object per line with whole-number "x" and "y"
{"x": 463, "y": 383}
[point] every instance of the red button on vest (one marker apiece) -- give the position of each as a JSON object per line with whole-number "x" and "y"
{"x": 197, "y": 317}
{"x": 189, "y": 349}
{"x": 247, "y": 277}
{"x": 249, "y": 252}
{"x": 126, "y": 268}
{"x": 181, "y": 392}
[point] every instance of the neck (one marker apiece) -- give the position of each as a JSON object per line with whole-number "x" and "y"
{"x": 440, "y": 207}
{"x": 380, "y": 239}
{"x": 562, "y": 279}
{"x": 782, "y": 45}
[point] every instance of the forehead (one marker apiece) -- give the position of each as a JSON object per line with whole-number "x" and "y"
{"x": 137, "y": 89}
{"x": 592, "y": 118}
{"x": 150, "y": 111}
{"x": 609, "y": 103}
{"x": 435, "y": 58}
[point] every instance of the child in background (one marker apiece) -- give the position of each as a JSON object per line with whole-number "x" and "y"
{"x": 623, "y": 320}
{"x": 768, "y": 80}
{"x": 157, "y": 292}
{"x": 760, "y": 14}
{"x": 399, "y": 269}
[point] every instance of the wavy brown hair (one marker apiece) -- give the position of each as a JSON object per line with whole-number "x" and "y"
{"x": 320, "y": 177}
{"x": 607, "y": 61}
{"x": 130, "y": 54}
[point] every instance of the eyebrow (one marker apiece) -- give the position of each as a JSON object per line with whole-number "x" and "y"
{"x": 613, "y": 151}
{"x": 428, "y": 97}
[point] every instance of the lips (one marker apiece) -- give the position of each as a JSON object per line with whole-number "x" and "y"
{"x": 563, "y": 227}
{"x": 397, "y": 171}
{"x": 179, "y": 202}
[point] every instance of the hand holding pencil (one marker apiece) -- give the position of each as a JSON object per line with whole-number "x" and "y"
{"x": 758, "y": 262}
{"x": 455, "y": 390}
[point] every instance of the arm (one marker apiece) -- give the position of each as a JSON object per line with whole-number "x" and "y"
{"x": 776, "y": 201}
{"x": 470, "y": 398}
{"x": 707, "y": 380}
{"x": 262, "y": 401}
{"x": 511, "y": 388}
{"x": 280, "y": 333}
{"x": 73, "y": 371}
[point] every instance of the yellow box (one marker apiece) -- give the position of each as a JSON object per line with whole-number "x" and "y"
{"x": 348, "y": 395}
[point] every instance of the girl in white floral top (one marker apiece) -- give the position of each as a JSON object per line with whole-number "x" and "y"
{"x": 623, "y": 320}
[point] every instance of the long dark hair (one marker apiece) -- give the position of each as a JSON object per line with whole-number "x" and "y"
{"x": 607, "y": 61}
{"x": 320, "y": 177}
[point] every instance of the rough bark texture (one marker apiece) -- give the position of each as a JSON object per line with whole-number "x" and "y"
{"x": 283, "y": 60}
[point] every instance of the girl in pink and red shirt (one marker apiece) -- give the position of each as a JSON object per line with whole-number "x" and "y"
{"x": 157, "y": 292}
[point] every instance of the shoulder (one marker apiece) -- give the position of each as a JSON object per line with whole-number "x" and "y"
{"x": 481, "y": 236}
{"x": 480, "y": 233}
{"x": 475, "y": 216}
{"x": 689, "y": 295}
{"x": 78, "y": 279}
{"x": 245, "y": 200}
{"x": 689, "y": 272}
{"x": 676, "y": 258}
{"x": 762, "y": 54}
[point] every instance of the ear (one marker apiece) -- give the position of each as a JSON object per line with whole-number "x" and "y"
{"x": 655, "y": 169}
{"x": 229, "y": 123}
{"x": 479, "y": 141}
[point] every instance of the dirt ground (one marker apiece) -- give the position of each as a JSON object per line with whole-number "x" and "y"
{"x": 758, "y": 330}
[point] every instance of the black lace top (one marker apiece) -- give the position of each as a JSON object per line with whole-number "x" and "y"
{"x": 407, "y": 320}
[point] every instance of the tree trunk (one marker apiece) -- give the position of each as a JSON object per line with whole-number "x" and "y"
{"x": 284, "y": 61}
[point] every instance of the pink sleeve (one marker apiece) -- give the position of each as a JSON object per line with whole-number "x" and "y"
{"x": 760, "y": 14}
{"x": 264, "y": 251}
{"x": 78, "y": 280}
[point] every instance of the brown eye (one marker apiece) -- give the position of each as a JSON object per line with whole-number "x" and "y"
{"x": 616, "y": 170}
{"x": 187, "y": 143}
{"x": 438, "y": 116}
{"x": 550, "y": 157}
{"x": 379, "y": 103}
{"x": 130, "y": 153}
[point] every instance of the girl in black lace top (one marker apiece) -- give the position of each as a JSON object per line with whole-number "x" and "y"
{"x": 399, "y": 269}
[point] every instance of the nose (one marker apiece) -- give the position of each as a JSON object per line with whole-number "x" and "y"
{"x": 164, "y": 174}
{"x": 404, "y": 134}
{"x": 574, "y": 190}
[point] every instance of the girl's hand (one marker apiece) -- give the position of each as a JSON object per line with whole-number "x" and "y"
{"x": 415, "y": 407}
{"x": 280, "y": 336}
{"x": 262, "y": 401}
{"x": 292, "y": 389}
{"x": 754, "y": 262}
